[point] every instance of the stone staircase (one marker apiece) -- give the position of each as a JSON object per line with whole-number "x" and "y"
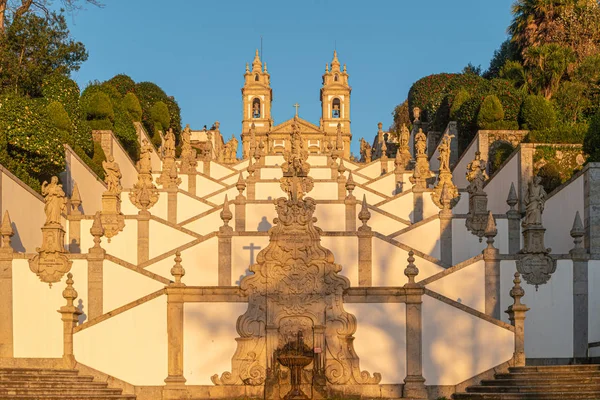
{"x": 539, "y": 382}
{"x": 54, "y": 384}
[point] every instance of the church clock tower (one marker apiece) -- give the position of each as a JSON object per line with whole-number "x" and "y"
{"x": 257, "y": 96}
{"x": 335, "y": 103}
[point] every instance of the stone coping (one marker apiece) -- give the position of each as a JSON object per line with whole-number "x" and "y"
{"x": 136, "y": 268}
{"x": 414, "y": 225}
{"x": 396, "y": 196}
{"x": 451, "y": 270}
{"x": 389, "y": 215}
{"x": 469, "y": 310}
{"x": 407, "y": 248}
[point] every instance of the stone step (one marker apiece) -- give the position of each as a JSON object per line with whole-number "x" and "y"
{"x": 531, "y": 389}
{"x": 58, "y": 391}
{"x": 68, "y": 397}
{"x": 536, "y": 381}
{"x": 52, "y": 384}
{"x": 548, "y": 375}
{"x": 45, "y": 378}
{"x": 579, "y": 395}
{"x": 38, "y": 371}
{"x": 556, "y": 368}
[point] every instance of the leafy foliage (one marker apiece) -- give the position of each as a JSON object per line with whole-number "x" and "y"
{"x": 537, "y": 113}
{"x": 59, "y": 117}
{"x": 133, "y": 107}
{"x": 97, "y": 105}
{"x": 123, "y": 83}
{"x": 591, "y": 143}
{"x": 500, "y": 154}
{"x": 401, "y": 117}
{"x": 491, "y": 111}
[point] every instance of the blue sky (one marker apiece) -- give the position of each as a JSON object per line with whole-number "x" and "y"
{"x": 196, "y": 50}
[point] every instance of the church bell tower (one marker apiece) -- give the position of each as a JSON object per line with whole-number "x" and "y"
{"x": 335, "y": 102}
{"x": 257, "y": 96}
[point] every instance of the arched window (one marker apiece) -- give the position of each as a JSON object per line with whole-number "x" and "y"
{"x": 335, "y": 108}
{"x": 335, "y": 78}
{"x": 256, "y": 108}
{"x": 256, "y": 77}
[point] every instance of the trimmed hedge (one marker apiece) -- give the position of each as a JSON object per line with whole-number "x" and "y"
{"x": 537, "y": 113}
{"x": 490, "y": 112}
{"x": 559, "y": 133}
{"x": 97, "y": 105}
{"x": 160, "y": 116}
{"x": 59, "y": 117}
{"x": 122, "y": 83}
{"x": 133, "y": 107}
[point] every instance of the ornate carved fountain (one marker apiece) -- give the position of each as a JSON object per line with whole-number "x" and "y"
{"x": 295, "y": 355}
{"x": 295, "y": 288}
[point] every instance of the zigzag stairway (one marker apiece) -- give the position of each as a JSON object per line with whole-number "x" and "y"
{"x": 54, "y": 384}
{"x": 538, "y": 382}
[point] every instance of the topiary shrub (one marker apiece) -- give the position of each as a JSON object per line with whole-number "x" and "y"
{"x": 490, "y": 112}
{"x": 97, "y": 106}
{"x": 123, "y": 83}
{"x": 550, "y": 175}
{"x": 58, "y": 117}
{"x": 133, "y": 107}
{"x": 559, "y": 133}
{"x": 160, "y": 117}
{"x": 591, "y": 142}
{"x": 459, "y": 98}
{"x": 537, "y": 113}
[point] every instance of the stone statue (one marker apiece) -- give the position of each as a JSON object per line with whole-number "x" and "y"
{"x": 365, "y": 151}
{"x": 420, "y": 142}
{"x": 476, "y": 174}
{"x": 112, "y": 175}
{"x": 186, "y": 136}
{"x": 534, "y": 202}
{"x": 145, "y": 163}
{"x": 417, "y": 113}
{"x": 56, "y": 200}
{"x": 444, "y": 149}
{"x": 169, "y": 145}
{"x": 404, "y": 136}
{"x": 256, "y": 110}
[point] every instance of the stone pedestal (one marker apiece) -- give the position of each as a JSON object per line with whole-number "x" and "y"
{"x": 113, "y": 221}
{"x": 192, "y": 183}
{"x": 224, "y": 269}
{"x": 591, "y": 212}
{"x": 365, "y": 257}
{"x": 172, "y": 205}
{"x": 240, "y": 213}
{"x": 175, "y": 381}
{"x": 250, "y": 188}
{"x": 492, "y": 282}
{"x": 478, "y": 214}
{"x": 51, "y": 262}
{"x": 516, "y": 315}
{"x": 70, "y": 316}
{"x": 143, "y": 246}
{"x": 95, "y": 283}
{"x": 350, "y": 205}
{"x": 417, "y": 204}
{"x": 446, "y": 237}
{"x": 74, "y": 243}
{"x": 534, "y": 262}
{"x": 6, "y": 299}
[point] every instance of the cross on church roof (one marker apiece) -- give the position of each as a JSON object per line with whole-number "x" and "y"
{"x": 296, "y": 105}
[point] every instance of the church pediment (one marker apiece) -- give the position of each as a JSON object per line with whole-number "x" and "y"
{"x": 305, "y": 127}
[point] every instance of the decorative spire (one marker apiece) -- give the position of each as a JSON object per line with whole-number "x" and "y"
{"x": 335, "y": 63}
{"x": 256, "y": 64}
{"x": 364, "y": 215}
{"x": 517, "y": 291}
{"x": 70, "y": 294}
{"x": 251, "y": 168}
{"x": 327, "y": 68}
{"x": 226, "y": 214}
{"x": 241, "y": 184}
{"x": 177, "y": 271}
{"x": 512, "y": 199}
{"x": 75, "y": 199}
{"x": 97, "y": 230}
{"x": 247, "y": 68}
{"x": 490, "y": 230}
{"x": 577, "y": 233}
{"x": 350, "y": 185}
{"x": 411, "y": 270}
{"x": 265, "y": 67}
{"x": 7, "y": 232}
{"x": 342, "y": 168}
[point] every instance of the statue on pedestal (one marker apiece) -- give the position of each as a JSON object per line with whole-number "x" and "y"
{"x": 111, "y": 217}
{"x": 445, "y": 176}
{"x": 477, "y": 217}
{"x": 422, "y": 171}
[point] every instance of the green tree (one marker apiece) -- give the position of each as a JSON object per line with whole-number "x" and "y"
{"x": 490, "y": 112}
{"x": 591, "y": 142}
{"x": 160, "y": 116}
{"x": 33, "y": 48}
{"x": 507, "y": 52}
{"x": 547, "y": 65}
{"x": 59, "y": 117}
{"x": 571, "y": 101}
{"x": 401, "y": 117}
{"x": 133, "y": 107}
{"x": 514, "y": 72}
{"x": 537, "y": 113}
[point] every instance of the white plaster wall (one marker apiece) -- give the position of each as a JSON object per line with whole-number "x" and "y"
{"x": 462, "y": 207}
{"x": 594, "y": 304}
{"x": 241, "y": 165}
{"x": 37, "y": 327}
{"x": 372, "y": 170}
{"x": 372, "y": 198}
{"x": 559, "y": 214}
{"x": 123, "y": 246}
{"x": 324, "y": 191}
{"x": 466, "y": 286}
{"x": 331, "y": 217}
{"x": 218, "y": 171}
{"x": 206, "y": 187}
{"x": 357, "y": 178}
{"x": 188, "y": 207}
{"x": 457, "y": 345}
{"x": 459, "y": 173}
{"x": 232, "y": 180}
{"x": 209, "y": 351}
{"x": 126, "y": 165}
{"x": 384, "y": 224}
{"x": 269, "y": 190}
{"x": 318, "y": 161}
{"x": 322, "y": 173}
{"x": 464, "y": 244}
{"x": 498, "y": 187}
{"x": 273, "y": 173}
{"x": 131, "y": 346}
{"x": 389, "y": 262}
{"x": 345, "y": 252}
{"x": 548, "y": 323}
{"x": 381, "y": 339}
{"x": 274, "y": 160}
{"x": 122, "y": 286}
{"x": 90, "y": 187}
{"x": 429, "y": 207}
{"x": 164, "y": 238}
{"x": 401, "y": 206}
{"x": 351, "y": 166}
{"x": 219, "y": 198}
{"x": 385, "y": 185}
{"x": 26, "y": 212}
{"x": 241, "y": 258}
{"x": 425, "y": 238}
{"x": 207, "y": 224}
{"x": 259, "y": 217}
{"x": 199, "y": 261}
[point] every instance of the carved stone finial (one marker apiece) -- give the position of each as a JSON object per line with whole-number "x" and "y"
{"x": 97, "y": 230}
{"x": 577, "y": 233}
{"x": 517, "y": 291}
{"x": 342, "y": 168}
{"x": 411, "y": 270}
{"x": 490, "y": 230}
{"x": 364, "y": 215}
{"x": 177, "y": 271}
{"x": 7, "y": 232}
{"x": 350, "y": 185}
{"x": 70, "y": 294}
{"x": 241, "y": 184}
{"x": 226, "y": 214}
{"x": 75, "y": 199}
{"x": 445, "y": 198}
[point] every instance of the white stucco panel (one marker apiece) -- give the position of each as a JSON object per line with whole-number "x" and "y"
{"x": 122, "y": 286}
